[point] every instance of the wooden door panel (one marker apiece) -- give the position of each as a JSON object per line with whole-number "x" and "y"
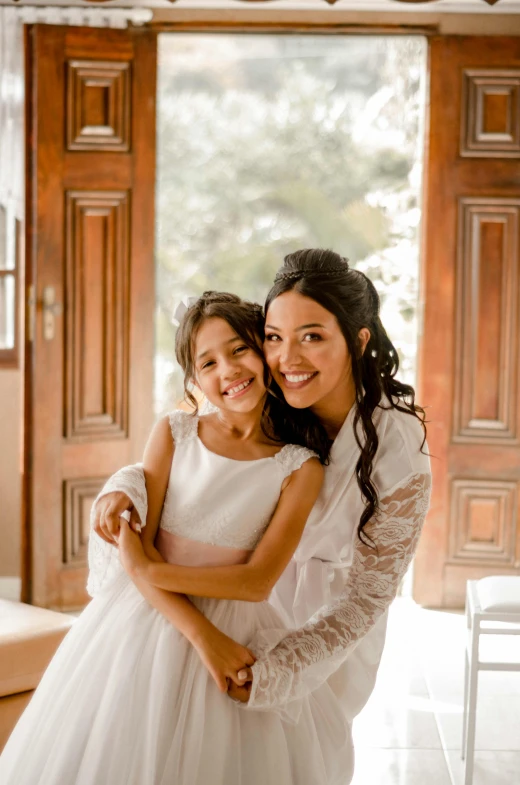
{"x": 470, "y": 345}
{"x": 486, "y": 379}
{"x": 98, "y": 105}
{"x": 491, "y": 113}
{"x": 92, "y": 165}
{"x": 96, "y": 291}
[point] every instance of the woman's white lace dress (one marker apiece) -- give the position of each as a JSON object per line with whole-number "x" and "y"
{"x": 126, "y": 699}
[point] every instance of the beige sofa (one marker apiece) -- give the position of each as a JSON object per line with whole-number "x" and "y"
{"x": 29, "y": 636}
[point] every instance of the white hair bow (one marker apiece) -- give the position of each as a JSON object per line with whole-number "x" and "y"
{"x": 181, "y": 308}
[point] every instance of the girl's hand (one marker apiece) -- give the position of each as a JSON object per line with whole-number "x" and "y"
{"x": 240, "y": 693}
{"x": 223, "y": 657}
{"x": 131, "y": 552}
{"x": 106, "y": 516}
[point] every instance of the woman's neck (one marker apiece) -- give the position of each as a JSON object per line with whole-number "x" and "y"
{"x": 333, "y": 410}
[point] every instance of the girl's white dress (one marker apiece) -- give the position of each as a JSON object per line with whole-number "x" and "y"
{"x": 336, "y": 591}
{"x": 126, "y": 699}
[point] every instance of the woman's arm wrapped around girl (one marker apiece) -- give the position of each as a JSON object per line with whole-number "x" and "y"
{"x": 304, "y": 659}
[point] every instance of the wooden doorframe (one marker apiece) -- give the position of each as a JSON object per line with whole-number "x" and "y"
{"x": 213, "y": 22}
{"x": 28, "y": 327}
{"x": 470, "y": 231}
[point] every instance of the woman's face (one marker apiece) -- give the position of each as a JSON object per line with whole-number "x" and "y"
{"x": 307, "y": 353}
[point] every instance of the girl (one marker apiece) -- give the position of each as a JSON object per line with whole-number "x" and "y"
{"x": 331, "y": 358}
{"x": 127, "y": 699}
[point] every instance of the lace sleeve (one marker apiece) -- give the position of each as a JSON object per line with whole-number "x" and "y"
{"x": 290, "y": 667}
{"x": 103, "y": 559}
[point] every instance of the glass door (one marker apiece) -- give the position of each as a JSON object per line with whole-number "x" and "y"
{"x": 270, "y": 143}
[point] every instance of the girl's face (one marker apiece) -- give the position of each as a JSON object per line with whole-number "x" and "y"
{"x": 227, "y": 371}
{"x": 307, "y": 353}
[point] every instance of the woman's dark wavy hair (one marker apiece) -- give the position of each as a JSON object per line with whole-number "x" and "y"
{"x": 325, "y": 276}
{"x": 280, "y": 421}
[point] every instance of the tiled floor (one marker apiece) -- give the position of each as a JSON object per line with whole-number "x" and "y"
{"x": 410, "y": 731}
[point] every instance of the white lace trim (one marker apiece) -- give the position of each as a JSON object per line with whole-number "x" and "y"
{"x": 292, "y": 457}
{"x": 183, "y": 426}
{"x": 290, "y": 666}
{"x": 215, "y": 530}
{"x": 103, "y": 559}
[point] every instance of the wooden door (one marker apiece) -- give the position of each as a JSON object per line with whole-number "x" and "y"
{"x": 471, "y": 343}
{"x": 90, "y": 287}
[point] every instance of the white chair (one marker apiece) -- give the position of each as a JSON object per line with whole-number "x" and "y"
{"x": 495, "y": 600}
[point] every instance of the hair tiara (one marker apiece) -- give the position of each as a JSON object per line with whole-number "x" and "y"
{"x": 335, "y": 271}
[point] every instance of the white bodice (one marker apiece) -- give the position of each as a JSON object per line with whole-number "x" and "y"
{"x": 217, "y": 500}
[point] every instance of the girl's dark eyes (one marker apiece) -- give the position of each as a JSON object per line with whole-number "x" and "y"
{"x": 237, "y": 350}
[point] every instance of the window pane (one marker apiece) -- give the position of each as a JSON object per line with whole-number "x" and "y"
{"x": 270, "y": 143}
{"x": 3, "y": 238}
{"x": 7, "y": 240}
{"x": 7, "y": 311}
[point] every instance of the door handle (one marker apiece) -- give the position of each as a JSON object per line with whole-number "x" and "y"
{"x": 51, "y": 309}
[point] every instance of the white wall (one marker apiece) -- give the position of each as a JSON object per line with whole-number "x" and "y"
{"x": 10, "y": 472}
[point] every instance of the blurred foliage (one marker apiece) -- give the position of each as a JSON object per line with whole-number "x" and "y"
{"x": 267, "y": 144}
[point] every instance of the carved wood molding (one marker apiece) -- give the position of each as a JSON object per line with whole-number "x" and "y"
{"x": 490, "y": 113}
{"x": 78, "y": 496}
{"x": 97, "y": 344}
{"x": 483, "y": 521}
{"x": 102, "y": 13}
{"x": 329, "y": 2}
{"x": 81, "y": 16}
{"x": 486, "y": 378}
{"x": 98, "y": 105}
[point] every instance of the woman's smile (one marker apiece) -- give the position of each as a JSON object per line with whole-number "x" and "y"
{"x": 296, "y": 381}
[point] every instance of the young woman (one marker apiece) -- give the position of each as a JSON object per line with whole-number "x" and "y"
{"x": 132, "y": 699}
{"x": 331, "y": 357}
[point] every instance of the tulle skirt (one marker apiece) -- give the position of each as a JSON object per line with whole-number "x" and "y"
{"x": 127, "y": 701}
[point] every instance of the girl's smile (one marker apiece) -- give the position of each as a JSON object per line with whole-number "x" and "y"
{"x": 237, "y": 389}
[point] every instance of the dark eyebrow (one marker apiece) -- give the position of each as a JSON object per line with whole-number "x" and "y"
{"x": 231, "y": 340}
{"x": 303, "y": 327}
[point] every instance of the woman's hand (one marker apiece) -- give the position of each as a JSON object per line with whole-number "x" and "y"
{"x": 223, "y": 657}
{"x": 106, "y": 516}
{"x": 131, "y": 551}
